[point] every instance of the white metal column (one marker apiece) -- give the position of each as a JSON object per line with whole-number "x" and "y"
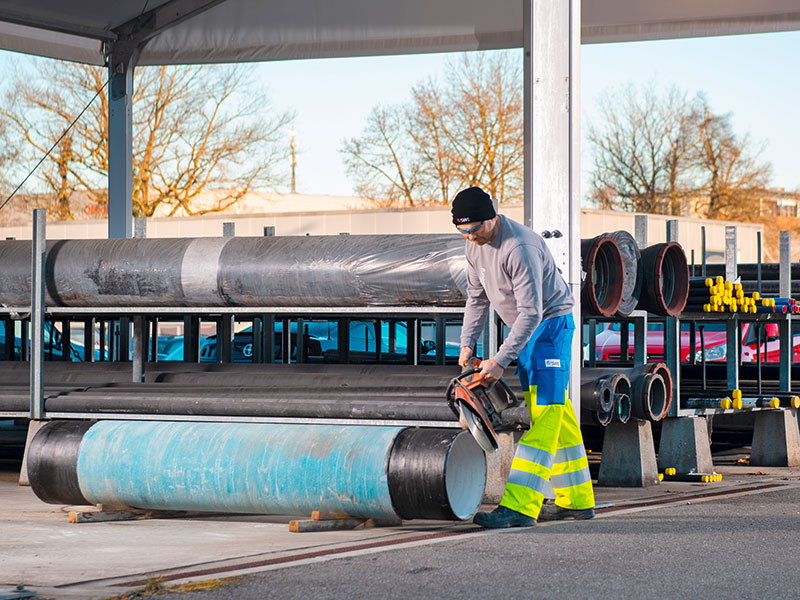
{"x": 552, "y": 142}
{"x": 120, "y": 150}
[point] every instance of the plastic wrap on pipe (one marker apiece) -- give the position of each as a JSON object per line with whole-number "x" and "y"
{"x": 632, "y": 265}
{"x": 319, "y": 271}
{"x": 603, "y": 276}
{"x": 665, "y": 286}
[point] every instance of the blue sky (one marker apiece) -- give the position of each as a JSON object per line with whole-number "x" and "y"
{"x": 754, "y": 77}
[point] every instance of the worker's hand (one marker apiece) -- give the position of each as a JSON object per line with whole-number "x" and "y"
{"x": 491, "y": 371}
{"x": 464, "y": 356}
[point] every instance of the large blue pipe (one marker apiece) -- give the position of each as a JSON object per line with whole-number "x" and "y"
{"x": 369, "y": 472}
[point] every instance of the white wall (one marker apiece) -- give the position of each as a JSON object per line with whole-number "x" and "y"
{"x": 401, "y": 221}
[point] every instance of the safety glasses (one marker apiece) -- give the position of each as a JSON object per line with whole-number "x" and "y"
{"x": 471, "y": 229}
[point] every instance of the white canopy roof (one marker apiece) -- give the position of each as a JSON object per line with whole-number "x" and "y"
{"x": 205, "y": 31}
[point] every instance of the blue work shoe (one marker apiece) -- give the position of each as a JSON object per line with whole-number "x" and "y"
{"x": 502, "y": 517}
{"x": 553, "y": 512}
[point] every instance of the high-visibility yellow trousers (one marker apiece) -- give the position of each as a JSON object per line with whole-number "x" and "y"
{"x": 551, "y": 454}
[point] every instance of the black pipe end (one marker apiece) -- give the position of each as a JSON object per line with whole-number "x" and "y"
{"x": 53, "y": 462}
{"x": 666, "y": 279}
{"x": 602, "y": 288}
{"x": 436, "y": 474}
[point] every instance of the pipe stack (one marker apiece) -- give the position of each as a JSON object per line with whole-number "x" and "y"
{"x": 619, "y": 278}
{"x": 648, "y": 395}
{"x": 606, "y": 398}
{"x": 720, "y": 295}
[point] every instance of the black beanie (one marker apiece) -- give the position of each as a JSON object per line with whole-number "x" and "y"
{"x": 472, "y": 204}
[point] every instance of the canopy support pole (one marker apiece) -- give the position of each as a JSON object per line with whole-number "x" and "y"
{"x": 552, "y": 204}
{"x": 120, "y": 146}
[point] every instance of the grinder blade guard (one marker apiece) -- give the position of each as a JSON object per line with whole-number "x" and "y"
{"x": 478, "y": 406}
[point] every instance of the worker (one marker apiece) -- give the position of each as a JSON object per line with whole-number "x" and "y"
{"x": 510, "y": 267}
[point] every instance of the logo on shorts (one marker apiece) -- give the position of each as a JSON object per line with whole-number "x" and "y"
{"x": 552, "y": 362}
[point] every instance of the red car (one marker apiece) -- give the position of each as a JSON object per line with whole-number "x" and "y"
{"x": 607, "y": 342}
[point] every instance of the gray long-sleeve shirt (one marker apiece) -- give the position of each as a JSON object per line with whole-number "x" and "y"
{"x": 517, "y": 274}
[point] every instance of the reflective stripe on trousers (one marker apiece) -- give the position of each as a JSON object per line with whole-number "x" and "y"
{"x": 550, "y": 453}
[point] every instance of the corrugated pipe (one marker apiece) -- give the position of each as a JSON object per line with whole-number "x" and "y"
{"x": 367, "y": 472}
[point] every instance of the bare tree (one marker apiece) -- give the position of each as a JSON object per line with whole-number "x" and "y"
{"x": 377, "y": 159}
{"x": 465, "y": 131}
{"x": 195, "y": 130}
{"x": 664, "y": 154}
{"x": 7, "y": 156}
{"x": 640, "y": 149}
{"x": 730, "y": 177}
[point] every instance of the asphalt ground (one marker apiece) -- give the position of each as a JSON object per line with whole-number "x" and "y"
{"x": 731, "y": 547}
{"x": 734, "y": 539}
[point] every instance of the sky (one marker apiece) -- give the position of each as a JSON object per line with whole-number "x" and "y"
{"x": 756, "y": 78}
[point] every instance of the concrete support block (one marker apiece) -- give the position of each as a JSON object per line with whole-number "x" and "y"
{"x": 776, "y": 441}
{"x": 498, "y": 465}
{"x": 685, "y": 445}
{"x": 629, "y": 455}
{"x": 33, "y": 427}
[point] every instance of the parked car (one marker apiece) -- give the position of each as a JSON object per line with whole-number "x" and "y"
{"x": 52, "y": 345}
{"x": 607, "y": 346}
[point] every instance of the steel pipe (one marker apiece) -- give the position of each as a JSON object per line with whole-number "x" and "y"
{"x": 363, "y": 270}
{"x": 367, "y": 472}
{"x": 601, "y": 289}
{"x": 665, "y": 286}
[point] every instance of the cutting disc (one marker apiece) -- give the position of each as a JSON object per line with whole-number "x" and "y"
{"x": 477, "y": 427}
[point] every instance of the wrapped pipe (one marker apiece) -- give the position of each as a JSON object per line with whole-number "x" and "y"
{"x": 602, "y": 285}
{"x": 367, "y": 472}
{"x": 364, "y": 270}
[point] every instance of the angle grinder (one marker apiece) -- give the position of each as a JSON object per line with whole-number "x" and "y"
{"x": 478, "y": 404}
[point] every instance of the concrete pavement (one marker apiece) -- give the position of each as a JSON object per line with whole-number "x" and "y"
{"x": 659, "y": 531}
